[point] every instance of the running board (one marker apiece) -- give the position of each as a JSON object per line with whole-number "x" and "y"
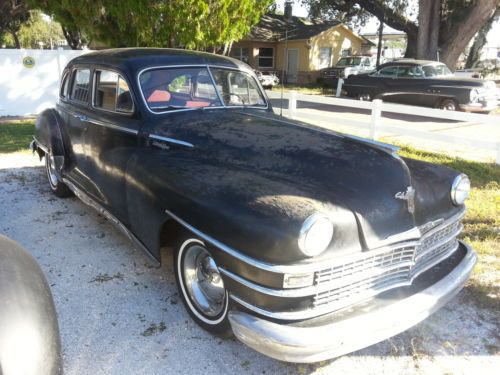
{"x": 85, "y": 198}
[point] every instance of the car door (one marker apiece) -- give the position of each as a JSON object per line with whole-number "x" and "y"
{"x": 73, "y": 108}
{"x": 409, "y": 86}
{"x": 112, "y": 139}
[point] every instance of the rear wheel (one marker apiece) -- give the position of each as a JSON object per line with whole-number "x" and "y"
{"x": 448, "y": 105}
{"x": 58, "y": 187}
{"x": 201, "y": 286}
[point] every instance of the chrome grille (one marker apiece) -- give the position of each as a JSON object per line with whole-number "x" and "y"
{"x": 368, "y": 274}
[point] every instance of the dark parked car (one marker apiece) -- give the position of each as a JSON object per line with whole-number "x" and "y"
{"x": 424, "y": 83}
{"x": 29, "y": 332}
{"x": 306, "y": 243}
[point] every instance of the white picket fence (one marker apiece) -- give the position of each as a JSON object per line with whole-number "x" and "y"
{"x": 376, "y": 122}
{"x": 29, "y": 79}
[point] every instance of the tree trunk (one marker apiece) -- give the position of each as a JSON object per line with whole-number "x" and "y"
{"x": 428, "y": 29}
{"x": 475, "y": 50}
{"x": 16, "y": 39}
{"x": 458, "y": 36}
{"x": 73, "y": 37}
{"x": 411, "y": 45}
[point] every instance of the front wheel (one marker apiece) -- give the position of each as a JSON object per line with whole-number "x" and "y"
{"x": 448, "y": 105}
{"x": 58, "y": 187}
{"x": 201, "y": 286}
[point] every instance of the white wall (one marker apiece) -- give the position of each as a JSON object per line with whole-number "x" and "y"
{"x": 25, "y": 90}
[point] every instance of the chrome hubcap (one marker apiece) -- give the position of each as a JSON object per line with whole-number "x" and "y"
{"x": 51, "y": 170}
{"x": 203, "y": 281}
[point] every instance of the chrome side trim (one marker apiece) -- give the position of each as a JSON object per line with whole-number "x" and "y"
{"x": 335, "y": 337}
{"x": 112, "y": 126}
{"x": 170, "y": 140}
{"x": 323, "y": 287}
{"x": 85, "y": 198}
{"x": 298, "y": 268}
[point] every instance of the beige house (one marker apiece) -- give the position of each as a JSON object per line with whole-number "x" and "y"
{"x": 301, "y": 45}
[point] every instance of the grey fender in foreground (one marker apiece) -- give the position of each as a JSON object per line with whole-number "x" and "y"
{"x": 29, "y": 333}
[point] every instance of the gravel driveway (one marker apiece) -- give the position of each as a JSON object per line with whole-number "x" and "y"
{"x": 118, "y": 314}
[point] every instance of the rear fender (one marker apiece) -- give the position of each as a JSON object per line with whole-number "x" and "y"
{"x": 49, "y": 138}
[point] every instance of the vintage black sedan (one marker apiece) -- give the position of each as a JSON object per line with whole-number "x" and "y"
{"x": 424, "y": 83}
{"x": 305, "y": 243}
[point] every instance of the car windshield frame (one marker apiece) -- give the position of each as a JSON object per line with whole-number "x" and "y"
{"x": 219, "y": 95}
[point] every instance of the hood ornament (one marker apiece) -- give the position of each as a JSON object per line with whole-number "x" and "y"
{"x": 409, "y": 197}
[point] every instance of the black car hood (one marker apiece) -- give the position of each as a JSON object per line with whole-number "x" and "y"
{"x": 254, "y": 176}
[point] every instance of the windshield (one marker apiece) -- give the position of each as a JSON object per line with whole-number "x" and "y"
{"x": 347, "y": 61}
{"x": 166, "y": 89}
{"x": 436, "y": 70}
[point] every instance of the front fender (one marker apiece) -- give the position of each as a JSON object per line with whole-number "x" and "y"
{"x": 29, "y": 339}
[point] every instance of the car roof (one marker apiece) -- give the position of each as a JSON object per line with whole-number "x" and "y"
{"x": 136, "y": 59}
{"x": 409, "y": 62}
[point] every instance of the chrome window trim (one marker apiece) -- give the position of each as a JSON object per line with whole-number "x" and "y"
{"x": 308, "y": 267}
{"x": 94, "y": 86}
{"x": 69, "y": 97}
{"x": 207, "y": 66}
{"x": 170, "y": 140}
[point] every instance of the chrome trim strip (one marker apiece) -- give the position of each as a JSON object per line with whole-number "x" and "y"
{"x": 170, "y": 140}
{"x": 335, "y": 337}
{"x": 330, "y": 307}
{"x": 112, "y": 126}
{"x": 85, "y": 198}
{"x": 298, "y": 268}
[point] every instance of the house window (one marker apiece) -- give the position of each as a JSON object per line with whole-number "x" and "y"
{"x": 325, "y": 57}
{"x": 347, "y": 52}
{"x": 240, "y": 53}
{"x": 266, "y": 57}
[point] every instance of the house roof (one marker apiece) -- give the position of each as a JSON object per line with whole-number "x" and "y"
{"x": 275, "y": 27}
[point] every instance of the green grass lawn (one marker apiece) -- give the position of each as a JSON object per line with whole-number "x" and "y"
{"x": 16, "y": 135}
{"x": 481, "y": 225}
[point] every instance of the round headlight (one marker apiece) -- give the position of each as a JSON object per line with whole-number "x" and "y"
{"x": 315, "y": 235}
{"x": 460, "y": 189}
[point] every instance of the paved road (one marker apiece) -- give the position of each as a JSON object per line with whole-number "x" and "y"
{"x": 120, "y": 315}
{"x": 465, "y": 129}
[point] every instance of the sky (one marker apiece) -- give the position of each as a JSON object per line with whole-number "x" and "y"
{"x": 372, "y": 26}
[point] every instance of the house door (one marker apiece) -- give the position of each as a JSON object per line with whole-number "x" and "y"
{"x": 292, "y": 65}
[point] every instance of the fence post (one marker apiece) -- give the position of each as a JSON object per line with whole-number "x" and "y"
{"x": 498, "y": 152}
{"x": 339, "y": 87}
{"x": 376, "y": 116}
{"x": 292, "y": 104}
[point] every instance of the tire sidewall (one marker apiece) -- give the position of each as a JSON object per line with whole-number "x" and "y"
{"x": 219, "y": 324}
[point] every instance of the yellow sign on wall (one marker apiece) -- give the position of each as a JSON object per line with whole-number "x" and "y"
{"x": 29, "y": 62}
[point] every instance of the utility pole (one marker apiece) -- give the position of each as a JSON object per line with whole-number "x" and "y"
{"x": 379, "y": 46}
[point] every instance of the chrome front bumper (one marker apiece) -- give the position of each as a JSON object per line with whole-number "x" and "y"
{"x": 479, "y": 106}
{"x": 312, "y": 344}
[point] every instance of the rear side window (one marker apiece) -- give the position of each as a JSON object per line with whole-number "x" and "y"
{"x": 112, "y": 92}
{"x": 80, "y": 88}
{"x": 390, "y": 71}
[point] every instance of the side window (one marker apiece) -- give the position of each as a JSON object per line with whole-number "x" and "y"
{"x": 80, "y": 88}
{"x": 64, "y": 86}
{"x": 112, "y": 92}
{"x": 410, "y": 72}
{"x": 390, "y": 71}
